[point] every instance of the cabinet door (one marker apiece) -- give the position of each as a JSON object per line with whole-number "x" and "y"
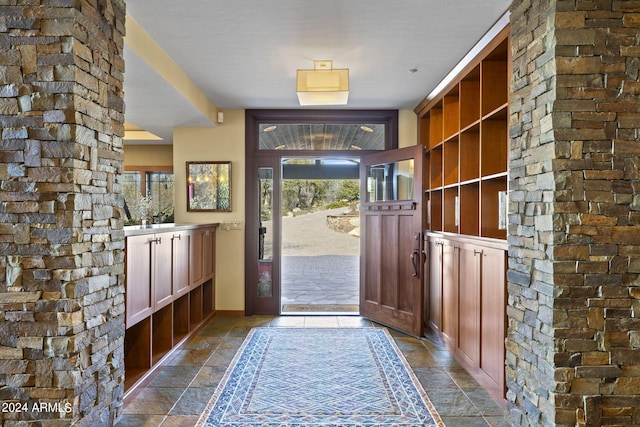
{"x": 208, "y": 252}
{"x": 138, "y": 298}
{"x": 434, "y": 286}
{"x": 493, "y": 323}
{"x": 162, "y": 290}
{"x": 181, "y": 244}
{"x": 195, "y": 266}
{"x": 469, "y": 303}
{"x": 450, "y": 293}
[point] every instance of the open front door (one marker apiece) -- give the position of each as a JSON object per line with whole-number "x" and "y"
{"x": 392, "y": 260}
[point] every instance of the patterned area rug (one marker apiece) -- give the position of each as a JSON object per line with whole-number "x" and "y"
{"x": 319, "y": 377}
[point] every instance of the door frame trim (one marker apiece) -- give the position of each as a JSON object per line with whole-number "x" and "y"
{"x": 255, "y": 157}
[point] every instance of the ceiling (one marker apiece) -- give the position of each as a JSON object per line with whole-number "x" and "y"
{"x": 244, "y": 54}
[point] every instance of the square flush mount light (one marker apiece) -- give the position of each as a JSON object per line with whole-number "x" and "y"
{"x": 323, "y": 85}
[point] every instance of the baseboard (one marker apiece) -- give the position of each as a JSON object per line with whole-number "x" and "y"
{"x": 235, "y": 313}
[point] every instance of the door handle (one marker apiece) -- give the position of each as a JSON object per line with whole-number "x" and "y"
{"x": 414, "y": 261}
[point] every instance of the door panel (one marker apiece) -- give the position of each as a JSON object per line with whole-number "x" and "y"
{"x": 469, "y": 310}
{"x": 389, "y": 260}
{"x": 450, "y": 294}
{"x": 391, "y": 290}
{"x": 493, "y": 295}
{"x": 181, "y": 243}
{"x": 434, "y": 285}
{"x": 371, "y": 273}
{"x": 161, "y": 272}
{"x": 406, "y": 288}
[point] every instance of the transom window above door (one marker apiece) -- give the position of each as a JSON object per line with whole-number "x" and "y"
{"x": 322, "y": 136}
{"x": 276, "y": 132}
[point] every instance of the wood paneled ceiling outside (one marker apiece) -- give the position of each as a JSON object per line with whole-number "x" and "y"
{"x": 313, "y": 136}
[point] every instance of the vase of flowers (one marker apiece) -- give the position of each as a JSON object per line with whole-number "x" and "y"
{"x": 142, "y": 209}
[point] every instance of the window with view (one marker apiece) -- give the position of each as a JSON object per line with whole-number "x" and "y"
{"x": 149, "y": 195}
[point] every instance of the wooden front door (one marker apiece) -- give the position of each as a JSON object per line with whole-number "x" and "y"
{"x": 392, "y": 261}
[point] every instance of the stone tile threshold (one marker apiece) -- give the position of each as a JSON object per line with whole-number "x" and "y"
{"x": 177, "y": 391}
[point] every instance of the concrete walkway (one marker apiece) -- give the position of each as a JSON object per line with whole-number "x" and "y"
{"x": 320, "y": 266}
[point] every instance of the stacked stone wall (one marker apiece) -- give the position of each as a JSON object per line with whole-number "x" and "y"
{"x": 573, "y": 353}
{"x": 61, "y": 229}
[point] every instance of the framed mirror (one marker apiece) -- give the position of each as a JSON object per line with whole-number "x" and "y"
{"x": 209, "y": 186}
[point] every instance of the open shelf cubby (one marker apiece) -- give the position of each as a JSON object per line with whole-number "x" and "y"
{"x": 425, "y": 130}
{"x": 427, "y": 170}
{"x": 436, "y": 134}
{"x": 493, "y": 147}
{"x": 180, "y": 318}
{"x": 490, "y": 207}
{"x": 469, "y": 209}
{"x": 162, "y": 333}
{"x": 450, "y": 209}
{"x": 195, "y": 307}
{"x": 208, "y": 298}
{"x": 451, "y": 113}
{"x": 436, "y": 167}
{"x": 137, "y": 351}
{"x": 470, "y": 154}
{"x": 451, "y": 161}
{"x": 470, "y": 98}
{"x": 434, "y": 212}
{"x": 494, "y": 77}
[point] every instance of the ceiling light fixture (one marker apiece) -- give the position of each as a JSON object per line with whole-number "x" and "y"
{"x": 323, "y": 85}
{"x": 270, "y": 128}
{"x": 366, "y": 128}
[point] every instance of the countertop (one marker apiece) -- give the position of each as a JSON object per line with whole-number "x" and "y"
{"x": 139, "y": 230}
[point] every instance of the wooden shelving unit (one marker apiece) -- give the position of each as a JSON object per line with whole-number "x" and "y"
{"x": 465, "y": 133}
{"x": 464, "y": 129}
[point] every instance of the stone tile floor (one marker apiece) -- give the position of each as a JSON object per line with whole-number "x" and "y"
{"x": 179, "y": 389}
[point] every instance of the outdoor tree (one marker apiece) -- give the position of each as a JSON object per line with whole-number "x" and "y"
{"x": 348, "y": 190}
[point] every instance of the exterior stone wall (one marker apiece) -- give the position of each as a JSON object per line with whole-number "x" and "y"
{"x": 61, "y": 227}
{"x": 573, "y": 346}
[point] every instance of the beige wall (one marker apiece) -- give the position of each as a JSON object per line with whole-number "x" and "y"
{"x": 222, "y": 143}
{"x": 407, "y": 128}
{"x": 227, "y": 142}
{"x": 148, "y": 155}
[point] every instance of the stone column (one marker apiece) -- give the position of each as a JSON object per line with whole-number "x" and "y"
{"x": 61, "y": 227}
{"x": 573, "y": 344}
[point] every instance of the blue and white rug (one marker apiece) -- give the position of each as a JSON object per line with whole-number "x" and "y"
{"x": 319, "y": 377}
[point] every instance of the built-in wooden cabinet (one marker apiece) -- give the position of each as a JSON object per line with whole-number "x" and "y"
{"x": 464, "y": 129}
{"x": 466, "y": 300}
{"x": 169, "y": 291}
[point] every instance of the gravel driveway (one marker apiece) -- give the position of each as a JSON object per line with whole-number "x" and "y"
{"x": 308, "y": 235}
